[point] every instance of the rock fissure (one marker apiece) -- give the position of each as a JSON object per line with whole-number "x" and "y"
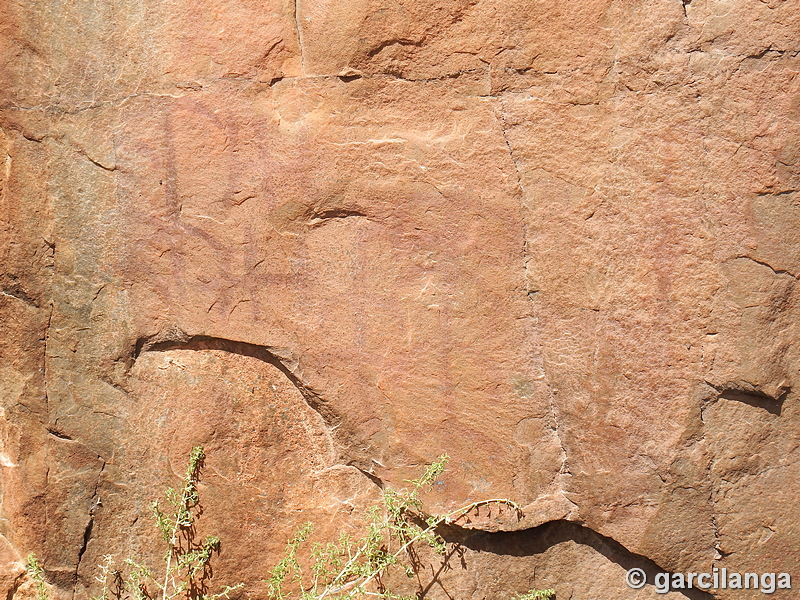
{"x": 742, "y": 475}
{"x": 537, "y": 540}
{"x": 15, "y": 585}
{"x": 720, "y": 553}
{"x": 401, "y": 41}
{"x": 564, "y": 469}
{"x": 712, "y": 480}
{"x": 769, "y": 266}
{"x": 773, "y": 52}
{"x": 46, "y": 362}
{"x": 789, "y": 192}
{"x": 95, "y": 162}
{"x": 21, "y": 296}
{"x": 320, "y": 218}
{"x": 95, "y": 502}
{"x": 296, "y": 19}
{"x": 117, "y": 386}
{"x": 59, "y": 434}
{"x": 758, "y": 399}
{"x": 523, "y": 199}
{"x": 277, "y": 357}
{"x": 445, "y": 77}
{"x": 372, "y": 477}
{"x": 713, "y": 489}
{"x": 751, "y": 395}
{"x": 529, "y": 289}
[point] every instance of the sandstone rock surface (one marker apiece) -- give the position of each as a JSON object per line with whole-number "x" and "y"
{"x": 559, "y": 241}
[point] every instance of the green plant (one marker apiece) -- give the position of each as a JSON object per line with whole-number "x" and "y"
{"x": 107, "y": 574}
{"x": 536, "y": 595}
{"x": 396, "y": 530}
{"x": 185, "y": 560}
{"x": 36, "y": 572}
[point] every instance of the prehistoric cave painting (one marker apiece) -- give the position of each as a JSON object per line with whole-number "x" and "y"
{"x": 656, "y": 239}
{"x": 393, "y": 292}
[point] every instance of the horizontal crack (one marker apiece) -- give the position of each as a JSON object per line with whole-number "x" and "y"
{"x": 769, "y": 266}
{"x": 59, "y": 434}
{"x": 21, "y": 296}
{"x": 752, "y": 396}
{"x": 537, "y": 540}
{"x": 266, "y": 354}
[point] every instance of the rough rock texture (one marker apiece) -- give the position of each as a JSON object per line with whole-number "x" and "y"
{"x": 331, "y": 240}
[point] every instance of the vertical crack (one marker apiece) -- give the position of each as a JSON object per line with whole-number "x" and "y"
{"x": 523, "y": 195}
{"x": 719, "y": 553}
{"x": 46, "y": 362}
{"x": 701, "y": 439}
{"x": 7, "y": 167}
{"x": 503, "y": 126}
{"x": 15, "y": 585}
{"x": 563, "y": 470}
{"x": 717, "y": 548}
{"x": 296, "y": 17}
{"x": 46, "y": 418}
{"x": 87, "y": 532}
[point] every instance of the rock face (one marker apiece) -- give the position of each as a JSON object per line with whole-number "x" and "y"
{"x": 330, "y": 241}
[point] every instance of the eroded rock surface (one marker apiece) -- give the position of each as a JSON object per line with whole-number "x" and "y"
{"x": 331, "y": 241}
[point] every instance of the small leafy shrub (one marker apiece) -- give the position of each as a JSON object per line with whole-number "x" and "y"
{"x": 395, "y": 531}
{"x": 536, "y": 595}
{"x": 186, "y": 560}
{"x": 36, "y": 573}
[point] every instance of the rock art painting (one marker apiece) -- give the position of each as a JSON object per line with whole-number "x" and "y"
{"x": 331, "y": 241}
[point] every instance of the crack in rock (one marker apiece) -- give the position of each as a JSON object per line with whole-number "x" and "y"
{"x": 778, "y": 272}
{"x": 537, "y": 540}
{"x": 356, "y": 450}
{"x": 59, "y": 434}
{"x": 15, "y": 585}
{"x": 87, "y": 532}
{"x": 20, "y": 295}
{"x": 753, "y": 396}
{"x": 296, "y": 18}
{"x": 320, "y": 218}
{"x": 277, "y": 357}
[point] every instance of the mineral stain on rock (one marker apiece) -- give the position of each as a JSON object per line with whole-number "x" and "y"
{"x": 331, "y": 241}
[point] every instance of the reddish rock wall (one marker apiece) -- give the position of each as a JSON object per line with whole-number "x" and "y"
{"x": 330, "y": 241}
